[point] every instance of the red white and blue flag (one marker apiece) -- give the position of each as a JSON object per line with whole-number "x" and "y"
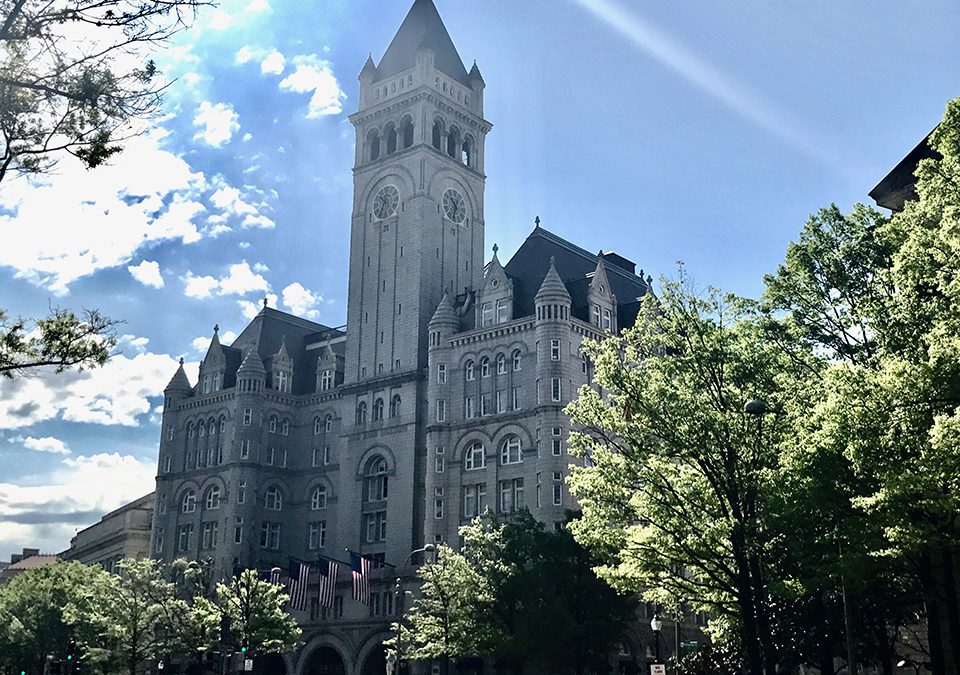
{"x": 297, "y": 585}
{"x": 327, "y": 583}
{"x": 360, "y": 574}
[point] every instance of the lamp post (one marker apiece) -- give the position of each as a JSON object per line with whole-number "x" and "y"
{"x": 656, "y": 624}
{"x": 397, "y": 596}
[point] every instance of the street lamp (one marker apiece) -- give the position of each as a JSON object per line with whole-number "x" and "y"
{"x": 656, "y": 624}
{"x": 397, "y": 595}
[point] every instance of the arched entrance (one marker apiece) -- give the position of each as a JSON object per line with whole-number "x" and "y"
{"x": 376, "y": 663}
{"x": 325, "y": 661}
{"x": 269, "y": 664}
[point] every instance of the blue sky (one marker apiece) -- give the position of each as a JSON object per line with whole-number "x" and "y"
{"x": 706, "y": 132}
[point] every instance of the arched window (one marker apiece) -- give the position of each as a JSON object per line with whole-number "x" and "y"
{"x": 374, "y": 144}
{"x": 395, "y": 405}
{"x": 406, "y": 132}
{"x": 273, "y": 424}
{"x": 317, "y": 426}
{"x": 273, "y": 499}
{"x": 190, "y": 430}
{"x": 201, "y": 429}
{"x": 328, "y": 423}
{"x": 469, "y": 371}
{"x": 189, "y": 502}
{"x": 437, "y": 134}
{"x": 484, "y": 367}
{"x": 453, "y": 142}
{"x": 375, "y": 480}
{"x": 212, "y": 498}
{"x": 377, "y": 410}
{"x": 318, "y": 500}
{"x": 516, "y": 359}
{"x": 510, "y": 451}
{"x": 466, "y": 152}
{"x": 501, "y": 364}
{"x": 212, "y": 426}
{"x": 474, "y": 457}
{"x": 285, "y": 427}
{"x": 391, "y": 140}
{"x": 362, "y": 412}
{"x": 223, "y": 424}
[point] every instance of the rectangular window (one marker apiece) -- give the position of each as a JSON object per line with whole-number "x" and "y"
{"x": 317, "y": 457}
{"x": 441, "y": 411}
{"x": 556, "y": 389}
{"x": 485, "y": 404}
{"x": 208, "y": 537}
{"x": 327, "y": 458}
{"x": 158, "y": 542}
{"x": 502, "y": 314}
{"x": 474, "y": 500}
{"x": 469, "y": 409}
{"x": 596, "y": 316}
{"x": 607, "y": 324}
{"x": 539, "y": 395}
{"x": 270, "y": 536}
{"x": 241, "y": 491}
{"x": 438, "y": 508}
{"x": 317, "y": 535}
{"x": 162, "y": 503}
{"x": 554, "y": 350}
{"x": 501, "y": 402}
{"x": 515, "y": 399}
{"x": 168, "y": 466}
{"x": 184, "y": 538}
{"x": 170, "y": 432}
{"x": 442, "y": 373}
{"x": 326, "y": 380}
{"x": 247, "y": 417}
{"x": 511, "y": 495}
{"x": 271, "y": 455}
{"x": 486, "y": 311}
{"x": 558, "y": 494}
{"x": 557, "y": 447}
{"x": 539, "y": 497}
{"x": 238, "y": 531}
{"x": 244, "y": 449}
{"x": 283, "y": 457}
{"x": 538, "y": 442}
{"x": 375, "y": 526}
{"x": 438, "y": 464}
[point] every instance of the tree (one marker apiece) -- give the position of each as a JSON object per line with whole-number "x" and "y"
{"x": 255, "y": 609}
{"x": 60, "y": 341}
{"x": 32, "y": 605}
{"x": 75, "y": 77}
{"x": 677, "y": 479}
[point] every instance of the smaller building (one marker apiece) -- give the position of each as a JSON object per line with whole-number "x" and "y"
{"x": 123, "y": 533}
{"x": 29, "y": 559}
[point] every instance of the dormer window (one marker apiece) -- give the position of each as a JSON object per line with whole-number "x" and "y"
{"x": 607, "y": 325}
{"x": 486, "y": 312}
{"x": 326, "y": 380}
{"x": 283, "y": 381}
{"x": 502, "y": 314}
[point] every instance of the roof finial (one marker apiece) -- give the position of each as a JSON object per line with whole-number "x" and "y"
{"x": 264, "y": 302}
{"x": 181, "y": 360}
{"x": 536, "y": 221}
{"x": 216, "y": 328}
{"x": 495, "y": 249}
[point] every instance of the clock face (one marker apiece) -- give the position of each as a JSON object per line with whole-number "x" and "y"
{"x": 454, "y": 207}
{"x": 386, "y": 201}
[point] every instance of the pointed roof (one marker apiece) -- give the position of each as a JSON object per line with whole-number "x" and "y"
{"x": 552, "y": 287}
{"x": 445, "y": 313}
{"x": 252, "y": 364}
{"x": 215, "y": 352}
{"x": 599, "y": 279}
{"x": 282, "y": 355}
{"x": 423, "y": 27}
{"x": 179, "y": 381}
{"x": 475, "y": 73}
{"x": 369, "y": 65}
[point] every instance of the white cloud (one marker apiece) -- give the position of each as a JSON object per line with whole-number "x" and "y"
{"x": 202, "y": 343}
{"x": 138, "y": 343}
{"x": 240, "y": 280}
{"x": 46, "y": 444}
{"x": 251, "y": 309}
{"x": 301, "y": 301}
{"x": 217, "y": 123}
{"x": 247, "y": 137}
{"x": 258, "y": 220}
{"x": 315, "y": 75}
{"x": 116, "y": 394}
{"x": 273, "y": 63}
{"x": 74, "y": 496}
{"x": 247, "y": 53}
{"x": 220, "y": 20}
{"x": 257, "y": 6}
{"x": 147, "y": 273}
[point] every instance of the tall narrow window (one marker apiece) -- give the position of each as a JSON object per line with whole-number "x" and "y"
{"x": 376, "y": 480}
{"x": 502, "y": 314}
{"x": 395, "y": 405}
{"x": 501, "y": 364}
{"x": 442, "y": 373}
{"x": 555, "y": 350}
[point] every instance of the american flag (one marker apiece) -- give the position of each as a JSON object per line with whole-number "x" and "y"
{"x": 275, "y": 576}
{"x": 297, "y": 585}
{"x": 360, "y": 574}
{"x": 327, "y": 584}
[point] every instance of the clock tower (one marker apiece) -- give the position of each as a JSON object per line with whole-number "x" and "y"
{"x": 417, "y": 227}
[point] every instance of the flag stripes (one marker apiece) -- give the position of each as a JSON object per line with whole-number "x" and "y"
{"x": 297, "y": 585}
{"x": 360, "y": 575}
{"x": 327, "y": 583}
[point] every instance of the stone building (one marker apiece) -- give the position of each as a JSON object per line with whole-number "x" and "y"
{"x": 442, "y": 395}
{"x": 122, "y": 533}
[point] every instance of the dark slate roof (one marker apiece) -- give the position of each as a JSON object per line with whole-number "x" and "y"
{"x": 529, "y": 266}
{"x": 898, "y": 186}
{"x": 423, "y": 25}
{"x": 269, "y": 329}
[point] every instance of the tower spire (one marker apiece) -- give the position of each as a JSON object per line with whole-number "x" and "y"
{"x": 422, "y": 25}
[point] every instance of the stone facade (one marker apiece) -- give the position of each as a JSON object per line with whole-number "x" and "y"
{"x": 440, "y": 398}
{"x": 122, "y": 533}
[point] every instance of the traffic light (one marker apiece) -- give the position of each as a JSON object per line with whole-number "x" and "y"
{"x": 243, "y": 646}
{"x": 224, "y": 628}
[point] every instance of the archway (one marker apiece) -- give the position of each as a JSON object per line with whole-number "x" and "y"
{"x": 325, "y": 661}
{"x": 376, "y": 663}
{"x": 269, "y": 664}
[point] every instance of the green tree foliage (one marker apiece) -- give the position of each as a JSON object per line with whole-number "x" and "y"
{"x": 255, "y": 611}
{"x": 676, "y": 492}
{"x": 59, "y": 341}
{"x": 512, "y": 588}
{"x": 75, "y": 77}
{"x": 33, "y": 622}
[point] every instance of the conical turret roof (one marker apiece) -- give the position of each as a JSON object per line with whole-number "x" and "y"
{"x": 423, "y": 26}
{"x": 445, "y": 313}
{"x": 252, "y": 364}
{"x": 552, "y": 287}
{"x": 179, "y": 381}
{"x": 475, "y": 73}
{"x": 369, "y": 66}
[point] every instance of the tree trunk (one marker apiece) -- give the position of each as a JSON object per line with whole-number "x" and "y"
{"x": 949, "y": 595}
{"x": 928, "y": 575}
{"x": 748, "y": 616}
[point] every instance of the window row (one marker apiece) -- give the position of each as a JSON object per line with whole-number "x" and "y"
{"x": 201, "y": 429}
{"x": 488, "y": 406}
{"x": 377, "y": 412}
{"x": 486, "y": 366}
{"x": 475, "y": 456}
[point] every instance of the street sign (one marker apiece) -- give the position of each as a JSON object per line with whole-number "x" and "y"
{"x": 248, "y": 664}
{"x": 658, "y": 669}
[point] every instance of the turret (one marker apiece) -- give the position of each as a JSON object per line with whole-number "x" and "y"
{"x": 251, "y": 375}
{"x": 178, "y": 388}
{"x": 552, "y": 301}
{"x": 367, "y": 75}
{"x": 477, "y": 84}
{"x": 443, "y": 323}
